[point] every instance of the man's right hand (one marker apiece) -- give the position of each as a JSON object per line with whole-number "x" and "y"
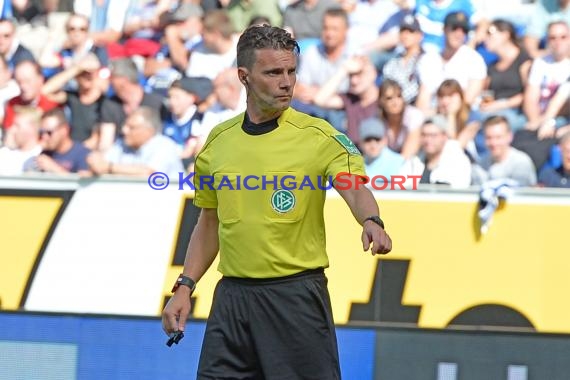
{"x": 176, "y": 311}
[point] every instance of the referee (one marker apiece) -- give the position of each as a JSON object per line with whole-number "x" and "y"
{"x": 271, "y": 315}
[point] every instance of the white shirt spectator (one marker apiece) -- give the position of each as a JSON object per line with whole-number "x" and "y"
{"x": 12, "y": 160}
{"x": 205, "y": 63}
{"x": 159, "y": 153}
{"x": 115, "y": 16}
{"x": 517, "y": 166}
{"x": 465, "y": 65}
{"x": 548, "y": 75}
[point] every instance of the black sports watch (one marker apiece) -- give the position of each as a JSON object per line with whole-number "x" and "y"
{"x": 376, "y": 219}
{"x": 184, "y": 280}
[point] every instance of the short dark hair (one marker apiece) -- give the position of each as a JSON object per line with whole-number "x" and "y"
{"x": 263, "y": 37}
{"x": 338, "y": 13}
{"x": 494, "y": 120}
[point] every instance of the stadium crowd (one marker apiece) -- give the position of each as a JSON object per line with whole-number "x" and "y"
{"x": 459, "y": 92}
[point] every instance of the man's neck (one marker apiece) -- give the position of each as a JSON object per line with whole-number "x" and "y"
{"x": 369, "y": 96}
{"x": 432, "y": 160}
{"x": 502, "y": 157}
{"x": 334, "y": 53}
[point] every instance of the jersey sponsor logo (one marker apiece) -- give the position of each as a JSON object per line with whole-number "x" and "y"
{"x": 282, "y": 201}
{"x": 347, "y": 144}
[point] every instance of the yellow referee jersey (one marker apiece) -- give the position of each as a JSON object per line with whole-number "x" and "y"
{"x": 269, "y": 192}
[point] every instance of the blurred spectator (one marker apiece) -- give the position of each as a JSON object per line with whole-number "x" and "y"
{"x": 86, "y": 105}
{"x": 378, "y": 158}
{"x": 442, "y": 160}
{"x": 10, "y": 48}
{"x": 503, "y": 161}
{"x": 107, "y": 18}
{"x": 560, "y": 176}
{"x": 183, "y": 122}
{"x": 231, "y": 98}
{"x": 507, "y": 77}
{"x": 217, "y": 51}
{"x": 25, "y": 141}
{"x": 402, "y": 121}
{"x": 365, "y": 19}
{"x": 142, "y": 151}
{"x": 406, "y": 67}
{"x": 432, "y": 16}
{"x": 77, "y": 46}
{"x": 60, "y": 155}
{"x": 130, "y": 95}
{"x": 28, "y": 76}
{"x": 8, "y": 88}
{"x": 6, "y": 11}
{"x": 182, "y": 33}
{"x": 304, "y": 18}
{"x": 241, "y": 12}
{"x": 360, "y": 101}
{"x": 143, "y": 19}
{"x": 546, "y": 75}
{"x": 319, "y": 63}
{"x": 457, "y": 61}
{"x": 544, "y": 13}
{"x": 25, "y": 11}
{"x": 463, "y": 125}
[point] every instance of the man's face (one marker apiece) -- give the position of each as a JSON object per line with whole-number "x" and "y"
{"x": 136, "y": 132}
{"x": 87, "y": 79}
{"x": 361, "y": 81}
{"x": 29, "y": 81}
{"x": 334, "y": 32}
{"x": 6, "y": 36}
{"x": 558, "y": 41}
{"x": 24, "y": 130}
{"x": 122, "y": 87}
{"x": 455, "y": 37}
{"x": 271, "y": 80}
{"x": 77, "y": 30}
{"x": 498, "y": 140}
{"x": 410, "y": 39}
{"x": 52, "y": 133}
{"x": 432, "y": 139}
{"x": 371, "y": 147}
{"x": 179, "y": 101}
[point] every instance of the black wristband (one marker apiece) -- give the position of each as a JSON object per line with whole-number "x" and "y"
{"x": 376, "y": 219}
{"x": 184, "y": 280}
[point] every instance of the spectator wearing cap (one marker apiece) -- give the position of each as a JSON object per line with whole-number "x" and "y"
{"x": 558, "y": 176}
{"x": 183, "y": 121}
{"x": 360, "y": 101}
{"x": 86, "y": 104}
{"x": 431, "y": 15}
{"x": 378, "y": 158}
{"x": 441, "y": 159}
{"x": 406, "y": 67}
{"x": 502, "y": 160}
{"x": 129, "y": 96}
{"x": 142, "y": 151}
{"x": 457, "y": 61}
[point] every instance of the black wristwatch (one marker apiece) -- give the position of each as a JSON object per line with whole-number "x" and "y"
{"x": 376, "y": 219}
{"x": 184, "y": 280}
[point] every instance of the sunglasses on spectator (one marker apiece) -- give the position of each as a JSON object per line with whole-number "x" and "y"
{"x": 76, "y": 29}
{"x": 48, "y": 132}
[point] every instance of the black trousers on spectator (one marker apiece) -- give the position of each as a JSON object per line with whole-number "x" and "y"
{"x": 274, "y": 329}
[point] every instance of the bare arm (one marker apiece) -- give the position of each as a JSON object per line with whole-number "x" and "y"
{"x": 362, "y": 205}
{"x": 179, "y": 55}
{"x": 531, "y": 105}
{"x": 327, "y": 96}
{"x": 473, "y": 90}
{"x": 412, "y": 144}
{"x": 202, "y": 250}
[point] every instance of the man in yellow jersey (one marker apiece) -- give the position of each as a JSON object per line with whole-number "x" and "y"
{"x": 259, "y": 181}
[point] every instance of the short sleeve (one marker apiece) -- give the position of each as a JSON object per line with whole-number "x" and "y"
{"x": 342, "y": 156}
{"x": 205, "y": 197}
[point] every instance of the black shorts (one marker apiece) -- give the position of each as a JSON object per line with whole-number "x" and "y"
{"x": 275, "y": 329}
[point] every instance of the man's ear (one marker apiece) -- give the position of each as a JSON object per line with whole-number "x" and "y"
{"x": 242, "y": 75}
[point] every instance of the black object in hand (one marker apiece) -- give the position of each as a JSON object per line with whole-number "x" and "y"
{"x": 175, "y": 337}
